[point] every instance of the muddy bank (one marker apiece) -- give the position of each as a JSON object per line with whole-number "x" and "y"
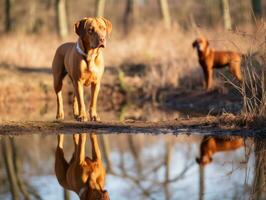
{"x": 223, "y": 125}
{"x": 120, "y": 86}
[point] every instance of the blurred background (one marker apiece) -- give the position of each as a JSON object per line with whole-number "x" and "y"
{"x": 149, "y": 56}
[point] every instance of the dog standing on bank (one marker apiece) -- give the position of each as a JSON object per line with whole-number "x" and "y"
{"x": 210, "y": 59}
{"x": 84, "y": 63}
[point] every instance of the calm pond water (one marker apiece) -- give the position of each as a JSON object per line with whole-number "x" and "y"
{"x": 138, "y": 166}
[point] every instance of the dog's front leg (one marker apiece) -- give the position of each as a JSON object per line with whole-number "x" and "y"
{"x": 95, "y": 88}
{"x": 96, "y": 153}
{"x": 208, "y": 77}
{"x": 81, "y": 148}
{"x": 80, "y": 98}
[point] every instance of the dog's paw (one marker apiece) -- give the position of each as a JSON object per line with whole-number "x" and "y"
{"x": 60, "y": 116}
{"x": 95, "y": 118}
{"x": 82, "y": 118}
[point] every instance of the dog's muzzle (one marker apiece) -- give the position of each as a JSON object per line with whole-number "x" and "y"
{"x": 102, "y": 43}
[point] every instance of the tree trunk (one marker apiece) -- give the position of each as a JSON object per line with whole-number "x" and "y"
{"x": 61, "y": 18}
{"x": 129, "y": 16}
{"x": 135, "y": 153}
{"x": 17, "y": 165}
{"x": 260, "y": 169}
{"x": 201, "y": 182}
{"x": 100, "y": 4}
{"x": 7, "y": 15}
{"x": 31, "y": 16}
{"x": 10, "y": 169}
{"x": 66, "y": 194}
{"x": 165, "y": 13}
{"x": 226, "y": 15}
{"x": 257, "y": 8}
{"x": 168, "y": 157}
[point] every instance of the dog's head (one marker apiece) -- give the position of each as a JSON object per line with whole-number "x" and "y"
{"x": 93, "y": 31}
{"x": 98, "y": 195}
{"x": 201, "y": 44}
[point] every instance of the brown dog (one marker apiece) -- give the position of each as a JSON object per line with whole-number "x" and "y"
{"x": 83, "y": 62}
{"x": 210, "y": 59}
{"x": 82, "y": 175}
{"x": 212, "y": 145}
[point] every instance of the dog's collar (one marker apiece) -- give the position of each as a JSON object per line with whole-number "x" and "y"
{"x": 79, "y": 50}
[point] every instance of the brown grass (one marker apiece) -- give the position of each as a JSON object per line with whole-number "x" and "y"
{"x": 253, "y": 89}
{"x": 167, "y": 54}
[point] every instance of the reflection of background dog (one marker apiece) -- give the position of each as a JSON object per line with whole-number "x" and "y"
{"x": 210, "y": 59}
{"x": 84, "y": 175}
{"x": 212, "y": 145}
{"x": 83, "y": 62}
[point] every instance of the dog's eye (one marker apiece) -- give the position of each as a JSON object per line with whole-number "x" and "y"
{"x": 102, "y": 28}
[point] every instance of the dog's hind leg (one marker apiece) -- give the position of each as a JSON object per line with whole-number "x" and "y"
{"x": 59, "y": 74}
{"x": 61, "y": 165}
{"x": 75, "y": 107}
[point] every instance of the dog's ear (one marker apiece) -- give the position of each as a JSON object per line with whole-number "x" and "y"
{"x": 79, "y": 26}
{"x": 108, "y": 25}
{"x": 106, "y": 195}
{"x": 198, "y": 160}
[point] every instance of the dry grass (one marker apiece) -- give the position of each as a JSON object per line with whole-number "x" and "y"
{"x": 167, "y": 54}
{"x": 253, "y": 89}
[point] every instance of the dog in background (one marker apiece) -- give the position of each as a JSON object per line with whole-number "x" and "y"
{"x": 83, "y": 175}
{"x": 83, "y": 62}
{"x": 211, "y": 145}
{"x": 210, "y": 59}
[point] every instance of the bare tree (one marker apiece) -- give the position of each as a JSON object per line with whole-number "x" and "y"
{"x": 260, "y": 169}
{"x": 201, "y": 182}
{"x": 129, "y": 15}
{"x": 226, "y": 14}
{"x": 18, "y": 186}
{"x": 9, "y": 165}
{"x": 257, "y": 8}
{"x": 7, "y": 15}
{"x": 165, "y": 13}
{"x": 31, "y": 20}
{"x": 167, "y": 159}
{"x": 100, "y": 4}
{"x": 61, "y": 14}
{"x": 66, "y": 194}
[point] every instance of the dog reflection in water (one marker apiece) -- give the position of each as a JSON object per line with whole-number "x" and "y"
{"x": 212, "y": 145}
{"x": 83, "y": 175}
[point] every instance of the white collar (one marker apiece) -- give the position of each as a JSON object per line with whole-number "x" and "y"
{"x": 80, "y": 50}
